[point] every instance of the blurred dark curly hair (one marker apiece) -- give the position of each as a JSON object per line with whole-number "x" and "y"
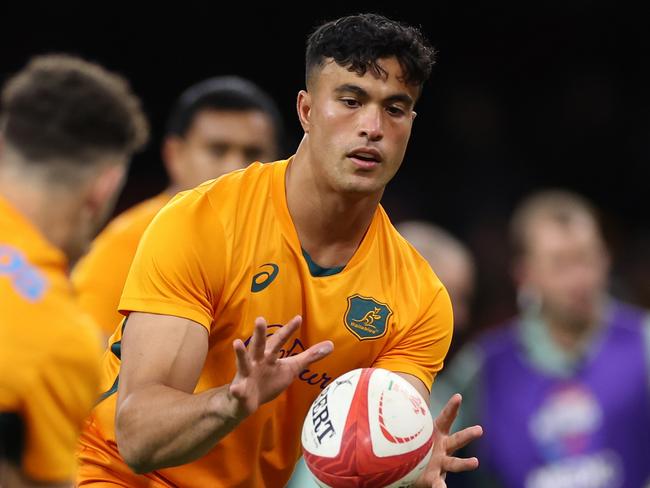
{"x": 62, "y": 107}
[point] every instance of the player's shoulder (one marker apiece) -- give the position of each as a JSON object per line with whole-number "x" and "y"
{"x": 131, "y": 224}
{"x": 226, "y": 195}
{"x": 142, "y": 213}
{"x": 215, "y": 203}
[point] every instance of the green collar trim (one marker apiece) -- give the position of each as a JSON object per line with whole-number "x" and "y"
{"x": 318, "y": 271}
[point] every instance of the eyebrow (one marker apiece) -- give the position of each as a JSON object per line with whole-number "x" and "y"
{"x": 350, "y": 88}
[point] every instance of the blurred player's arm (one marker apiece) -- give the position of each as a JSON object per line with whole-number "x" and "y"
{"x": 11, "y": 477}
{"x": 43, "y": 410}
{"x": 160, "y": 422}
{"x": 12, "y": 440}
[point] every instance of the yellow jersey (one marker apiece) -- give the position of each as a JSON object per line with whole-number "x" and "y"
{"x": 98, "y": 278}
{"x": 50, "y": 351}
{"x": 227, "y": 252}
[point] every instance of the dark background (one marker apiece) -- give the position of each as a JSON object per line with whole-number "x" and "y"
{"x": 523, "y": 97}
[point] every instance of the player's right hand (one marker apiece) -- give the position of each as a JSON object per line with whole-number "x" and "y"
{"x": 445, "y": 444}
{"x": 261, "y": 374}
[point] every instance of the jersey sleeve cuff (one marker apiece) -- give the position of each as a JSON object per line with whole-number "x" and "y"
{"x": 160, "y": 307}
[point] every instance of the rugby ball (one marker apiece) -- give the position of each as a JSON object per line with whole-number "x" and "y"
{"x": 368, "y": 428}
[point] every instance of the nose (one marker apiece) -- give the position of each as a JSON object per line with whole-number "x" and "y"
{"x": 371, "y": 123}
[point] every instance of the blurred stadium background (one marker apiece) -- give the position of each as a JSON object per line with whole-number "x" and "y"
{"x": 536, "y": 95}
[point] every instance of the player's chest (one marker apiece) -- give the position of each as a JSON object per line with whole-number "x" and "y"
{"x": 356, "y": 308}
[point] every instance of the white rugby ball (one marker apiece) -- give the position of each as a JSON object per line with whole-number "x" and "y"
{"x": 368, "y": 428}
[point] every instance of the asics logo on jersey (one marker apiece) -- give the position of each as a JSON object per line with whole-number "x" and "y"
{"x": 264, "y": 278}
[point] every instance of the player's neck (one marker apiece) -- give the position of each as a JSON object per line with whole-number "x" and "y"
{"x": 34, "y": 201}
{"x": 330, "y": 225}
{"x": 173, "y": 189}
{"x": 571, "y": 337}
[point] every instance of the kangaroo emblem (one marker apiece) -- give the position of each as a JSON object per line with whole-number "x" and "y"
{"x": 366, "y": 317}
{"x": 369, "y": 318}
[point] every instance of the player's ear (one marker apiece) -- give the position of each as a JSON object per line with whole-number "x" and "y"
{"x": 106, "y": 185}
{"x": 171, "y": 156}
{"x": 413, "y": 115}
{"x": 303, "y": 106}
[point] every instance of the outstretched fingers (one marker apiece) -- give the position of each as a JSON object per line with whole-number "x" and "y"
{"x": 242, "y": 359}
{"x": 458, "y": 465}
{"x": 258, "y": 341}
{"x": 446, "y": 418}
{"x": 462, "y": 438}
{"x": 280, "y": 338}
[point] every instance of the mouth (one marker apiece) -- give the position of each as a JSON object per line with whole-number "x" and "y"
{"x": 365, "y": 158}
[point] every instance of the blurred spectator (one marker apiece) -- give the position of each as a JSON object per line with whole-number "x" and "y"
{"x": 562, "y": 390}
{"x": 452, "y": 262}
{"x": 218, "y": 125}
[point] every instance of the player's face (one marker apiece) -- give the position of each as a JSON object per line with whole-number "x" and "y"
{"x": 568, "y": 266}
{"x": 218, "y": 142}
{"x": 358, "y": 126}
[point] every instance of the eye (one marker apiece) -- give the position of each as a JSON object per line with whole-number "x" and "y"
{"x": 395, "y": 111}
{"x": 350, "y": 102}
{"x": 218, "y": 150}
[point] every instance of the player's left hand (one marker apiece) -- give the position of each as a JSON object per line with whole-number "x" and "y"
{"x": 444, "y": 446}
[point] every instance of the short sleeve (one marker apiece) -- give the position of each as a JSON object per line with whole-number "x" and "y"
{"x": 179, "y": 266}
{"x": 420, "y": 348}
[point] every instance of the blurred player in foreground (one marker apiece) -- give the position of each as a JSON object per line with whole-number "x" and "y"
{"x": 214, "y": 371}
{"x": 218, "y": 125}
{"x": 68, "y": 129}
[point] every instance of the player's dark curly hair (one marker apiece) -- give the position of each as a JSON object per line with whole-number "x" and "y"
{"x": 359, "y": 41}
{"x": 61, "y": 107}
